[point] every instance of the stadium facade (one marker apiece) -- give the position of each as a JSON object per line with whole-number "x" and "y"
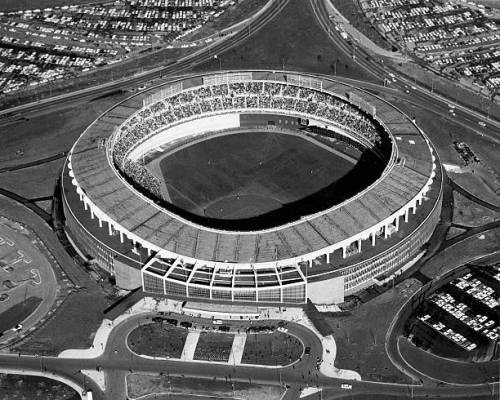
{"x": 115, "y": 213}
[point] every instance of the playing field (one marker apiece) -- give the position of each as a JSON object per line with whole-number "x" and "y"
{"x": 246, "y": 175}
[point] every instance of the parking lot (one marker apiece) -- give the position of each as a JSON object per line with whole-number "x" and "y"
{"x": 460, "y": 320}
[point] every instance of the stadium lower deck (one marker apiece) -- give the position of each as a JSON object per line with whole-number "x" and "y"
{"x": 323, "y": 258}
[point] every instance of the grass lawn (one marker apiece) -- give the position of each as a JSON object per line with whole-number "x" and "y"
{"x": 356, "y": 17}
{"x": 293, "y": 40}
{"x": 360, "y": 336}
{"x": 45, "y": 135}
{"x": 214, "y": 346}
{"x": 141, "y": 384}
{"x": 158, "y": 340}
{"x": 21, "y": 387}
{"x": 447, "y": 370}
{"x": 479, "y": 186}
{"x": 33, "y": 182}
{"x": 17, "y": 313}
{"x": 276, "y": 348}
{"x": 233, "y": 14}
{"x": 461, "y": 253}
{"x": 466, "y": 212}
{"x": 73, "y": 327}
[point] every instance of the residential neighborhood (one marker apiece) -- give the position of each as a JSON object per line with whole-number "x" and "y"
{"x": 41, "y": 45}
{"x": 457, "y": 39}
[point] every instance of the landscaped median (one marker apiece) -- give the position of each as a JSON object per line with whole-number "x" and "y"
{"x": 139, "y": 385}
{"x": 263, "y": 345}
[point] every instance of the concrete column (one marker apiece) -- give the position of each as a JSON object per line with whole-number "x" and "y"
{"x": 100, "y": 222}
{"x": 310, "y": 263}
{"x": 397, "y": 224}
{"x": 359, "y": 245}
{"x": 374, "y": 235}
{"x": 121, "y": 236}
{"x": 386, "y": 235}
{"x": 406, "y": 215}
{"x": 91, "y": 214}
{"x": 344, "y": 252}
{"x": 110, "y": 229}
{"x": 149, "y": 251}
{"x": 328, "y": 258}
{"x": 85, "y": 206}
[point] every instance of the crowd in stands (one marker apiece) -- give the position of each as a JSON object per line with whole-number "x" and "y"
{"x": 140, "y": 174}
{"x": 233, "y": 96}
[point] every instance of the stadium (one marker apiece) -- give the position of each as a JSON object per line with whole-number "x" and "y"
{"x": 252, "y": 186}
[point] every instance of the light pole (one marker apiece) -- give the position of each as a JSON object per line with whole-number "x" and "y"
{"x": 220, "y": 61}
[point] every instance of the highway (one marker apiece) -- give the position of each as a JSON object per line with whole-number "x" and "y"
{"x": 185, "y": 63}
{"x": 419, "y": 94}
{"x": 117, "y": 360}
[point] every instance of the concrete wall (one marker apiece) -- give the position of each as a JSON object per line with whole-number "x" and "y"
{"x": 126, "y": 276}
{"x": 190, "y": 128}
{"x": 330, "y": 291}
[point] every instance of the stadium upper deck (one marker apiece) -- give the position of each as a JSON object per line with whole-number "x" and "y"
{"x": 401, "y": 188}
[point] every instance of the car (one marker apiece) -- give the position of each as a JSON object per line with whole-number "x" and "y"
{"x": 186, "y": 324}
{"x": 346, "y": 386}
{"x": 17, "y": 328}
{"x": 217, "y": 322}
{"x": 307, "y": 350}
{"x": 481, "y": 123}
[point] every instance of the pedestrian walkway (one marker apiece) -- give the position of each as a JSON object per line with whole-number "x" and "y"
{"x": 190, "y": 345}
{"x": 237, "y": 349}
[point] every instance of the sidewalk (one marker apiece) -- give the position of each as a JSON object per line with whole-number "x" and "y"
{"x": 190, "y": 345}
{"x": 148, "y": 305}
{"x": 237, "y": 349}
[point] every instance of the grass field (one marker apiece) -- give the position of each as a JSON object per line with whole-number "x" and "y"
{"x": 360, "y": 336}
{"x": 158, "y": 340}
{"x": 353, "y": 13}
{"x": 198, "y": 388}
{"x": 246, "y": 175}
{"x": 214, "y": 346}
{"x": 448, "y": 370}
{"x": 73, "y": 327}
{"x": 18, "y": 312}
{"x": 20, "y": 387}
{"x": 233, "y": 14}
{"x": 466, "y": 212}
{"x": 293, "y": 40}
{"x": 275, "y": 348}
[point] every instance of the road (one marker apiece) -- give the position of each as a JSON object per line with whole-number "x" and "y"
{"x": 420, "y": 94}
{"x": 175, "y": 68}
{"x": 117, "y": 361}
